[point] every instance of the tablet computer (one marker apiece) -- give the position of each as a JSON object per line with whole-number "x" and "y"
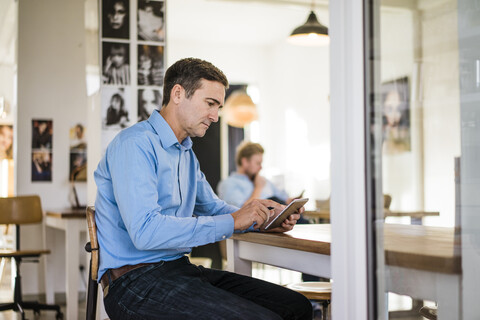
{"x": 276, "y": 221}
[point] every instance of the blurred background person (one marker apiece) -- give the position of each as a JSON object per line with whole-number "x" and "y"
{"x": 116, "y": 67}
{"x": 148, "y": 100}
{"x": 150, "y": 21}
{"x": 42, "y": 134}
{"x": 246, "y": 183}
{"x": 115, "y": 19}
{"x": 6, "y": 142}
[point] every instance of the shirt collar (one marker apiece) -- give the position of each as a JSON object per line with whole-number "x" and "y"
{"x": 165, "y": 132}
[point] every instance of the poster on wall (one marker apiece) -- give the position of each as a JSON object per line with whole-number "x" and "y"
{"x": 78, "y": 153}
{"x": 115, "y": 19}
{"x": 150, "y": 20}
{"x": 150, "y": 65}
{"x": 396, "y": 116}
{"x": 132, "y": 42}
{"x": 148, "y": 100}
{"x": 6, "y": 142}
{"x": 42, "y": 137}
{"x": 116, "y": 63}
{"x": 116, "y": 107}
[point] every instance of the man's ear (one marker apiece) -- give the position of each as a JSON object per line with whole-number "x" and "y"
{"x": 177, "y": 94}
{"x": 243, "y": 162}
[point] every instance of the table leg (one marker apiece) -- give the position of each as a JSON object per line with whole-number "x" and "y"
{"x": 234, "y": 263}
{"x": 72, "y": 243}
{"x": 49, "y": 267}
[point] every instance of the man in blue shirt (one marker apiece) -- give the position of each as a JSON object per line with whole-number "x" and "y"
{"x": 154, "y": 204}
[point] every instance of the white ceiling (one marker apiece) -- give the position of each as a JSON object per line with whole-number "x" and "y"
{"x": 252, "y": 22}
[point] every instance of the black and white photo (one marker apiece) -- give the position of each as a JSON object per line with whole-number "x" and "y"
{"x": 148, "y": 100}
{"x": 116, "y": 63}
{"x": 151, "y": 22}
{"x": 115, "y": 19}
{"x": 150, "y": 65}
{"x": 115, "y": 108}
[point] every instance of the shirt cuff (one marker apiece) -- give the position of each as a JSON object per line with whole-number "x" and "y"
{"x": 223, "y": 226}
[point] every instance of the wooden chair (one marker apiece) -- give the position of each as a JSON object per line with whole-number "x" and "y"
{"x": 320, "y": 291}
{"x": 18, "y": 211}
{"x": 93, "y": 248}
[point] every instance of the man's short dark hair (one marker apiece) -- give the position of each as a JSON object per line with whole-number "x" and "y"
{"x": 189, "y": 73}
{"x": 247, "y": 149}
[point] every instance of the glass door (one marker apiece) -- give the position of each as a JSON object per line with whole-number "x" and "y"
{"x": 422, "y": 69}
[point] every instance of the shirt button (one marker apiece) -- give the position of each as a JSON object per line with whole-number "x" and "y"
{"x": 223, "y": 237}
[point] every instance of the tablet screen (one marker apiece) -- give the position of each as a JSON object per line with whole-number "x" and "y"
{"x": 276, "y": 221}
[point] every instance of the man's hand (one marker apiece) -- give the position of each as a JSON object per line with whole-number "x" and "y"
{"x": 259, "y": 182}
{"x": 254, "y": 211}
{"x": 289, "y": 223}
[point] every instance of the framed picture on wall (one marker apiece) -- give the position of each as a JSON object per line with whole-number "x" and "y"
{"x": 150, "y": 65}
{"x": 115, "y": 19}
{"x": 396, "y": 116}
{"x": 116, "y": 108}
{"x": 149, "y": 99}
{"x": 78, "y": 153}
{"x": 6, "y": 142}
{"x": 150, "y": 20}
{"x": 116, "y": 63}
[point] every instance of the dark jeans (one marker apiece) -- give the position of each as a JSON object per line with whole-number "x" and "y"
{"x": 180, "y": 290}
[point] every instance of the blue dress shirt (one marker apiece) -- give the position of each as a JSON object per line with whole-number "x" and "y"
{"x": 237, "y": 188}
{"x": 153, "y": 203}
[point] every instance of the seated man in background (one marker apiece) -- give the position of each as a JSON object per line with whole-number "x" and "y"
{"x": 246, "y": 183}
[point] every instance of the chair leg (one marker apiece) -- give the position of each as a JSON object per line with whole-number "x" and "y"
{"x": 92, "y": 293}
{"x": 325, "y": 309}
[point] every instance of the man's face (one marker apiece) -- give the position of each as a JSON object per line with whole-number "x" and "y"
{"x": 253, "y": 165}
{"x": 196, "y": 114}
{"x": 117, "y": 16}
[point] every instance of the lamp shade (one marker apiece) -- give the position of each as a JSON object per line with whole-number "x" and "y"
{"x": 239, "y": 109}
{"x": 311, "y": 33}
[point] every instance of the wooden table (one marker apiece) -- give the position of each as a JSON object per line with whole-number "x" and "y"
{"x": 422, "y": 262}
{"x": 74, "y": 223}
{"x": 415, "y": 216}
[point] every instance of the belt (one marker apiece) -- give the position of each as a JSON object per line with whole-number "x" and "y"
{"x": 117, "y": 273}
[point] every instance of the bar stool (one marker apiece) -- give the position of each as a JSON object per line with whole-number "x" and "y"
{"x": 428, "y": 312}
{"x": 317, "y": 291}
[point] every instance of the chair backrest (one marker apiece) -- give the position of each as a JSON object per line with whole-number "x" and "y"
{"x": 92, "y": 232}
{"x": 21, "y": 210}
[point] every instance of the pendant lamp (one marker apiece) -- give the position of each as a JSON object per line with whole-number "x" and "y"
{"x": 239, "y": 109}
{"x": 311, "y": 33}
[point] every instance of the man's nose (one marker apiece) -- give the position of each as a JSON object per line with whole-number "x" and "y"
{"x": 214, "y": 115}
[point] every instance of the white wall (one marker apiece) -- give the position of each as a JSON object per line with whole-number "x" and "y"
{"x": 441, "y": 108}
{"x": 51, "y": 85}
{"x": 293, "y": 82}
{"x": 423, "y": 179}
